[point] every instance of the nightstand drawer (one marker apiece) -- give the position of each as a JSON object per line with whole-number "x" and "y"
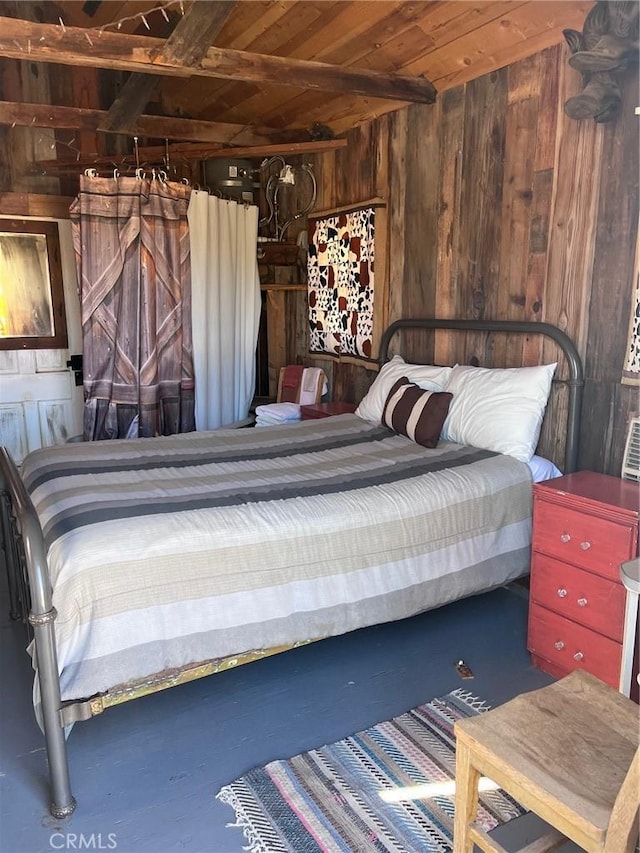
{"x": 586, "y": 598}
{"x": 568, "y": 646}
{"x": 597, "y": 544}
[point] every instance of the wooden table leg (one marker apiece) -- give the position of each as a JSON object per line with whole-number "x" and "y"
{"x": 466, "y": 807}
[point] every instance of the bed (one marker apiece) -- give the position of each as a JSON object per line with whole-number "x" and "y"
{"x": 149, "y": 562}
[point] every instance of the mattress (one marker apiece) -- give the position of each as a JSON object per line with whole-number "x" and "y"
{"x": 165, "y": 552}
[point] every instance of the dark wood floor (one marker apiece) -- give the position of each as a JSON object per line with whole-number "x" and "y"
{"x": 145, "y": 775}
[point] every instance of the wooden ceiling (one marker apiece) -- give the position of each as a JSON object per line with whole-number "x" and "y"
{"x": 276, "y": 67}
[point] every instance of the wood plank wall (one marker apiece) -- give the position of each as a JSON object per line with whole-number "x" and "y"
{"x": 501, "y": 206}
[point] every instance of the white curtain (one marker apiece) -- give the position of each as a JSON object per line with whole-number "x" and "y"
{"x": 225, "y": 295}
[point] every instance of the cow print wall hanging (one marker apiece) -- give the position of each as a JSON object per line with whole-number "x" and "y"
{"x": 631, "y": 368}
{"x": 340, "y": 270}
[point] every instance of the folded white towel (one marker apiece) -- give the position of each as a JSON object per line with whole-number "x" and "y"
{"x": 311, "y": 377}
{"x": 278, "y": 412}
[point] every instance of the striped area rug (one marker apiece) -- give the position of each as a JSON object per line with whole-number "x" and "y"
{"x": 388, "y": 788}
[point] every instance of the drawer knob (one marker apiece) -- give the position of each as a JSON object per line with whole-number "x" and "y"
{"x": 578, "y": 656}
{"x": 559, "y": 645}
{"x": 562, "y": 592}
{"x": 582, "y": 602}
{"x": 565, "y": 537}
{"x": 585, "y": 546}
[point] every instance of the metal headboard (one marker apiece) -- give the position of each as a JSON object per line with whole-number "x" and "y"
{"x": 575, "y": 381}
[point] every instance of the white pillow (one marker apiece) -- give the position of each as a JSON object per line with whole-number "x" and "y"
{"x": 543, "y": 469}
{"x": 426, "y": 376}
{"x": 498, "y": 409}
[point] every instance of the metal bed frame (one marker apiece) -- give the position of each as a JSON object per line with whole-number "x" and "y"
{"x": 30, "y": 587}
{"x": 576, "y": 377}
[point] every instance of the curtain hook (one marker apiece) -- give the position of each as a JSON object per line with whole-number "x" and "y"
{"x": 163, "y": 176}
{"x": 116, "y": 174}
{"x": 140, "y": 174}
{"x": 91, "y": 173}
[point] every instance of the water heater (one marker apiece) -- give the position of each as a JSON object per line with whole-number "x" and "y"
{"x": 232, "y": 178}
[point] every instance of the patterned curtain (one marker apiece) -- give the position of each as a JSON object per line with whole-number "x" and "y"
{"x": 131, "y": 245}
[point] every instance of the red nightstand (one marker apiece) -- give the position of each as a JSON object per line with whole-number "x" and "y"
{"x": 584, "y": 526}
{"x": 326, "y": 410}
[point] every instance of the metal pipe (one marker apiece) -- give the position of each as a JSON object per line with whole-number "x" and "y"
{"x": 41, "y": 617}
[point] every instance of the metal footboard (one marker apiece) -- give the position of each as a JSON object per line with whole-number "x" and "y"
{"x": 17, "y": 507}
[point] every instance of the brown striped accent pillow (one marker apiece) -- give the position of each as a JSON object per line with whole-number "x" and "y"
{"x": 416, "y": 413}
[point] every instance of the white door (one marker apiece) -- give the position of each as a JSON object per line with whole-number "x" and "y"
{"x": 40, "y": 403}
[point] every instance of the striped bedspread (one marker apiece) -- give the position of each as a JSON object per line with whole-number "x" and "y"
{"x": 165, "y": 552}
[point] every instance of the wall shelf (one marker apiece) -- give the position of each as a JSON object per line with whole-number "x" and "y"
{"x": 272, "y": 285}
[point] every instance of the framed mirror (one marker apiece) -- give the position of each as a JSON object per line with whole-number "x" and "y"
{"x": 32, "y": 314}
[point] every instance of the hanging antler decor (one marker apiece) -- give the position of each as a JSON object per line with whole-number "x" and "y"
{"x": 607, "y": 46}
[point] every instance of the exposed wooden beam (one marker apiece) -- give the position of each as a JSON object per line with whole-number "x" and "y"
{"x": 283, "y": 148}
{"x": 187, "y": 45}
{"x": 184, "y": 151}
{"x": 157, "y": 127}
{"x": 35, "y": 42}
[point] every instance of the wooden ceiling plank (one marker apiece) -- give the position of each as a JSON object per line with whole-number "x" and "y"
{"x": 273, "y": 100}
{"x": 306, "y": 108}
{"x": 446, "y": 35}
{"x": 407, "y": 32}
{"x": 397, "y": 51}
{"x": 373, "y": 38}
{"x": 514, "y": 36}
{"x": 299, "y": 16}
{"x": 47, "y": 43}
{"x": 342, "y": 109}
{"x": 208, "y": 99}
{"x": 328, "y": 26}
{"x": 498, "y": 59}
{"x": 315, "y": 109}
{"x": 157, "y": 127}
{"x": 249, "y": 21}
{"x": 454, "y": 20}
{"x": 187, "y": 45}
{"x": 344, "y": 29}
